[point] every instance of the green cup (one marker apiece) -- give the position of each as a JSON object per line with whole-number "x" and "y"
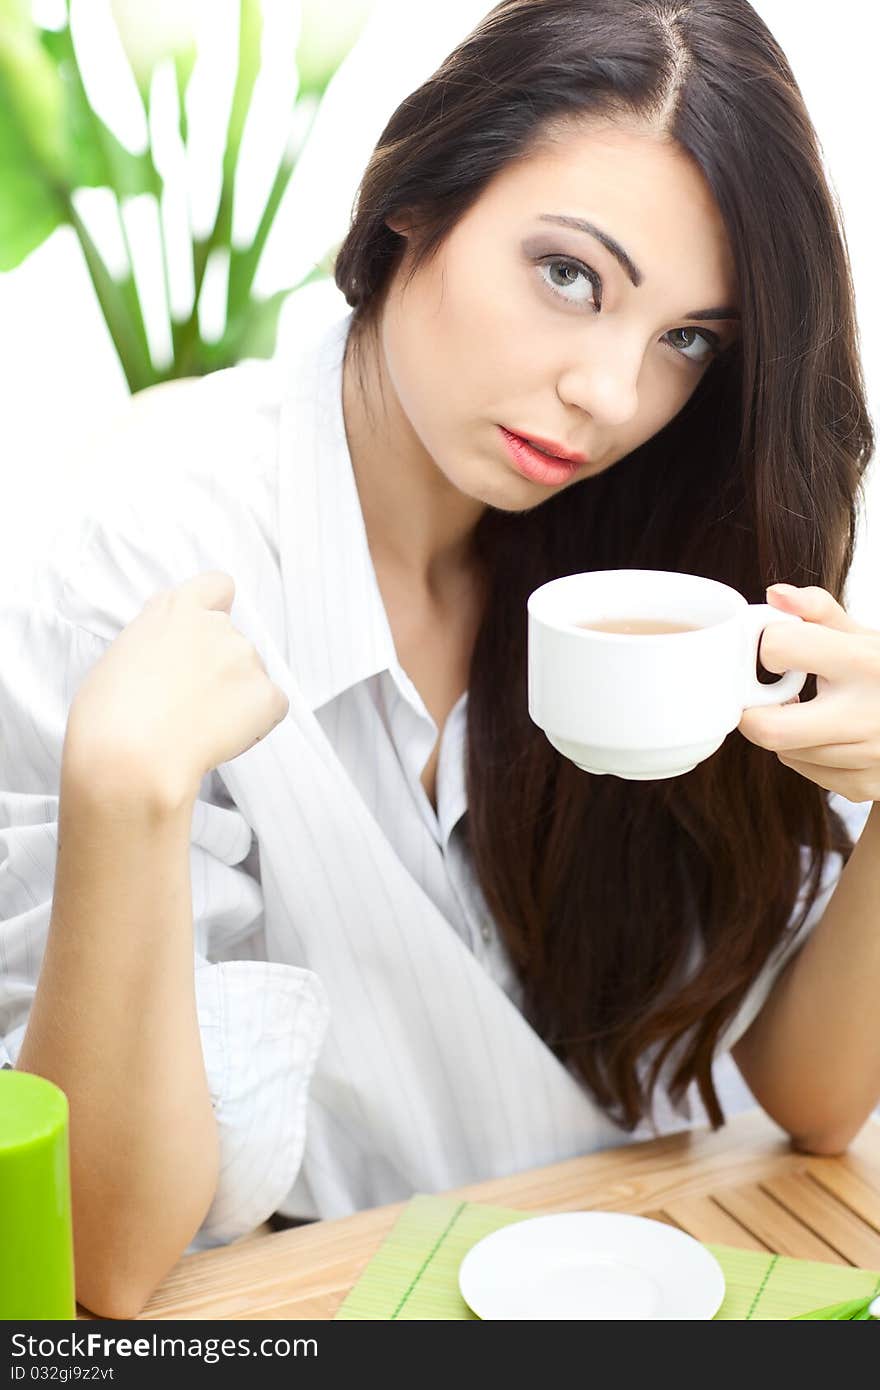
{"x": 36, "y": 1233}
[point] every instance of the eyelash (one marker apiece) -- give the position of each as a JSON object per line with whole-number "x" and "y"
{"x": 712, "y": 340}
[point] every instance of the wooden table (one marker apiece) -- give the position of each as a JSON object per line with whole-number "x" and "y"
{"x": 742, "y": 1186}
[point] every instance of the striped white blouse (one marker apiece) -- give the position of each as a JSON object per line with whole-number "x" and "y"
{"x": 359, "y": 1016}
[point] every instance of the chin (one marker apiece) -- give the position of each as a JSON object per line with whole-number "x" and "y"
{"x": 511, "y": 494}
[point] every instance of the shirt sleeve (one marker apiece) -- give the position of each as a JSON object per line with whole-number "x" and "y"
{"x": 854, "y": 816}
{"x": 262, "y": 1023}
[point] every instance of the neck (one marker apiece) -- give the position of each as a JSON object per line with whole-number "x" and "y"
{"x": 420, "y": 528}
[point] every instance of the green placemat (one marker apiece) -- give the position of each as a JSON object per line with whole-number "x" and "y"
{"x": 414, "y": 1274}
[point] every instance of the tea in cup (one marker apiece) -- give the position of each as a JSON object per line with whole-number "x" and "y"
{"x": 644, "y": 673}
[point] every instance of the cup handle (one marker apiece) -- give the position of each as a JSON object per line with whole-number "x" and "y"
{"x": 759, "y": 616}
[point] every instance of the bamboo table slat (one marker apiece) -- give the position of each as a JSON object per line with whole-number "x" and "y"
{"x": 743, "y": 1186}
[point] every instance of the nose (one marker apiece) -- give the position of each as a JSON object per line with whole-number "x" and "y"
{"x": 603, "y": 382}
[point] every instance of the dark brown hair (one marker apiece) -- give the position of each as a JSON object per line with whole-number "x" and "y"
{"x": 638, "y": 914}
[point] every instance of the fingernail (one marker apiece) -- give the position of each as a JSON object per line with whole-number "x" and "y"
{"x": 783, "y": 589}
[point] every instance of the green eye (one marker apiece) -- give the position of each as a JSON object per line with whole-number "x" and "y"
{"x": 696, "y": 344}
{"x": 561, "y": 275}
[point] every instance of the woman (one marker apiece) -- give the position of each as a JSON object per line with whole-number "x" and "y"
{"x": 280, "y": 683}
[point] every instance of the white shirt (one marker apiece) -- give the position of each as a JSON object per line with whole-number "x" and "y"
{"x": 358, "y": 1012}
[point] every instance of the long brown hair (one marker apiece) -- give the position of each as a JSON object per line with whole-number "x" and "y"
{"x": 638, "y": 914}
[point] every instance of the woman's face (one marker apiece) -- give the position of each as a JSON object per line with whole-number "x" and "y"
{"x": 588, "y": 338}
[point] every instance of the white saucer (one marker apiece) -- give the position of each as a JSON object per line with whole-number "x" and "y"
{"x": 590, "y": 1264}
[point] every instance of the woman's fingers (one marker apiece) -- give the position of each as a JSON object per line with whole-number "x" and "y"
{"x": 825, "y": 651}
{"x": 833, "y": 718}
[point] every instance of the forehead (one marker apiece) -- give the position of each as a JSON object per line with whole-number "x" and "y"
{"x": 638, "y": 186}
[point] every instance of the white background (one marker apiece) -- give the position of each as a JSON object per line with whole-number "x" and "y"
{"x": 60, "y": 379}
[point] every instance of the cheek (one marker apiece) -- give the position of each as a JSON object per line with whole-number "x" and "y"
{"x": 454, "y": 347}
{"x": 665, "y": 389}
{"x": 489, "y": 317}
{"x": 433, "y": 358}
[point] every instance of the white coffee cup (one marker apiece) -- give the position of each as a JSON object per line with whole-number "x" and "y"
{"x": 645, "y": 706}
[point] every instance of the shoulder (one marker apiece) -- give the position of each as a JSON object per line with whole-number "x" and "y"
{"x": 193, "y": 410}
{"x": 182, "y": 480}
{"x": 211, "y": 441}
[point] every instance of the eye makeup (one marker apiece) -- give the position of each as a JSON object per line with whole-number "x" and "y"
{"x": 577, "y": 268}
{"x": 543, "y": 256}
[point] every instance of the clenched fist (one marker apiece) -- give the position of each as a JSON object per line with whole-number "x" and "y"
{"x": 179, "y": 691}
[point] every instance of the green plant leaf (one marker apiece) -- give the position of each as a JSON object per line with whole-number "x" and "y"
{"x": 30, "y": 88}
{"x": 31, "y": 144}
{"x": 257, "y": 333}
{"x": 244, "y": 263}
{"x": 328, "y": 32}
{"x": 29, "y": 207}
{"x": 93, "y": 157}
{"x": 151, "y": 32}
{"x": 250, "y": 35}
{"x": 254, "y": 333}
{"x": 183, "y": 70}
{"x": 119, "y": 306}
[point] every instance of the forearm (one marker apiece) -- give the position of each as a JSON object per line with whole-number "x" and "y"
{"x": 114, "y": 1024}
{"x": 812, "y": 1056}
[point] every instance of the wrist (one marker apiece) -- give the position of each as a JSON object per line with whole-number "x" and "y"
{"x": 124, "y": 782}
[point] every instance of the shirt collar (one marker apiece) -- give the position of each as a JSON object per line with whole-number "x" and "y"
{"x": 338, "y": 630}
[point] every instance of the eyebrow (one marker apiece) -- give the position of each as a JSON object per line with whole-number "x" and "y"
{"x": 634, "y": 275}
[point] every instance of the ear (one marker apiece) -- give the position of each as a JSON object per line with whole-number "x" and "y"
{"x": 401, "y": 223}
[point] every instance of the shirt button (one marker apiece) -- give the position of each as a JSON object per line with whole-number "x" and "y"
{"x": 485, "y": 931}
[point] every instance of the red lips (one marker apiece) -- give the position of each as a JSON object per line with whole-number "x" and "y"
{"x": 551, "y": 447}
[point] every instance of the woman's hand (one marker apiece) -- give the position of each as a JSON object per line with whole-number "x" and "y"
{"x": 178, "y": 691}
{"x": 833, "y": 740}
